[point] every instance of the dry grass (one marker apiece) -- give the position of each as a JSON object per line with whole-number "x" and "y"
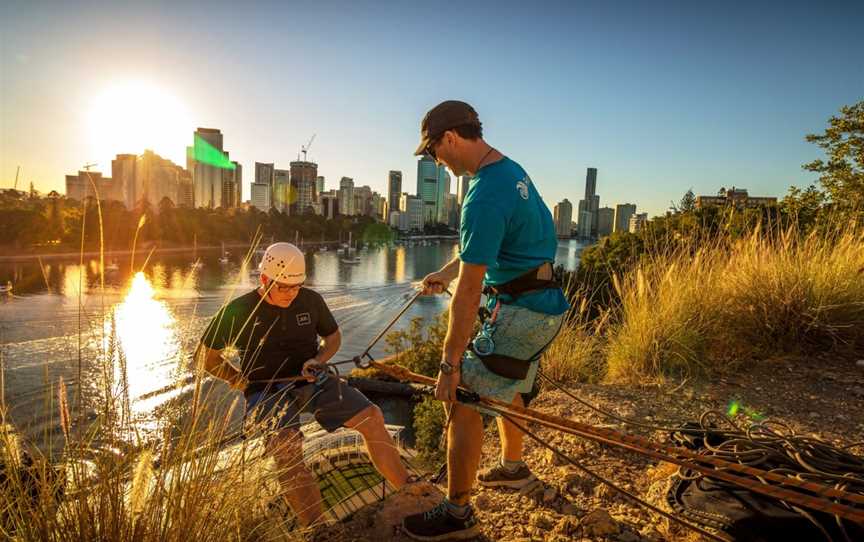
{"x": 109, "y": 483}
{"x": 690, "y": 310}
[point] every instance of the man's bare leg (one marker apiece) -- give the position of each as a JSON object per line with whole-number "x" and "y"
{"x": 300, "y": 487}
{"x": 464, "y": 445}
{"x": 382, "y": 450}
{"x": 511, "y": 436}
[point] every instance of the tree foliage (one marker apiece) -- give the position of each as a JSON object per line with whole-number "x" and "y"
{"x": 688, "y": 202}
{"x": 55, "y": 223}
{"x": 842, "y": 172}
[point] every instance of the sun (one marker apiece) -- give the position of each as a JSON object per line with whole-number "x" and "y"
{"x": 131, "y": 116}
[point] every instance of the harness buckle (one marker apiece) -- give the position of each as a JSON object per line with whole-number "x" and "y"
{"x": 466, "y": 396}
{"x": 360, "y": 363}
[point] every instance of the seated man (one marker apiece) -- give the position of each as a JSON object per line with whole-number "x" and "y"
{"x": 276, "y": 330}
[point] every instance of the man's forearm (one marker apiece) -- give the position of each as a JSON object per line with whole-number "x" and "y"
{"x": 329, "y": 347}
{"x": 212, "y": 362}
{"x": 451, "y": 269}
{"x": 463, "y": 311}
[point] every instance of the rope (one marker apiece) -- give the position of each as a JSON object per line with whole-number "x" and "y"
{"x": 609, "y": 483}
{"x": 779, "y": 451}
{"x": 745, "y": 476}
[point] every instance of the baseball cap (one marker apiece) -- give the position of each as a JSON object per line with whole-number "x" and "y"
{"x": 443, "y": 117}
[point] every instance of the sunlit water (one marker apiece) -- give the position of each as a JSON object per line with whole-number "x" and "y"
{"x": 143, "y": 326}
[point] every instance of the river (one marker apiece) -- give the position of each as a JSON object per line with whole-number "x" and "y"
{"x": 60, "y": 319}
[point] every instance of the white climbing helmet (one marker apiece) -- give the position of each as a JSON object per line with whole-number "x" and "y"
{"x": 283, "y": 262}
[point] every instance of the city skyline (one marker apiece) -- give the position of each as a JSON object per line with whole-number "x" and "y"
{"x": 660, "y": 100}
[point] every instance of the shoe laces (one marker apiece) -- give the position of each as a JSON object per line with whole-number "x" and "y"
{"x": 438, "y": 511}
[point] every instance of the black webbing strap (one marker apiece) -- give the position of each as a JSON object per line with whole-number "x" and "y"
{"x": 534, "y": 279}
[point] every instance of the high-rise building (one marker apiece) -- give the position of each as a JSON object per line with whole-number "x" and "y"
{"x": 451, "y": 208}
{"x": 186, "y": 190}
{"x": 283, "y": 195}
{"x": 265, "y": 173}
{"x": 319, "y": 184}
{"x": 462, "y": 188}
{"x": 260, "y": 198}
{"x": 206, "y": 160}
{"x": 82, "y": 186}
{"x": 329, "y": 204}
{"x": 623, "y": 212}
{"x": 588, "y": 209}
{"x": 637, "y": 222}
{"x": 158, "y": 178}
{"x": 378, "y": 206}
{"x": 363, "y": 200}
{"x": 443, "y": 190}
{"x": 605, "y": 221}
{"x": 563, "y": 215}
{"x": 433, "y": 182}
{"x": 394, "y": 189}
{"x": 232, "y": 186}
{"x": 304, "y": 177}
{"x": 346, "y": 196}
{"x": 123, "y": 173}
{"x": 412, "y": 217}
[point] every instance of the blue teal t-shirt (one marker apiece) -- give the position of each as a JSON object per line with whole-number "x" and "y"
{"x": 506, "y": 226}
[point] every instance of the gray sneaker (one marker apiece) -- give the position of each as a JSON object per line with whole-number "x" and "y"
{"x": 498, "y": 476}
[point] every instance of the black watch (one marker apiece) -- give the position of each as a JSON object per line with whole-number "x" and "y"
{"x": 447, "y": 368}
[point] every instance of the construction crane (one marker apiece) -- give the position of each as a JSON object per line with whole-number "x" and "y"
{"x": 305, "y": 148}
{"x": 87, "y": 167}
{"x": 17, "y": 170}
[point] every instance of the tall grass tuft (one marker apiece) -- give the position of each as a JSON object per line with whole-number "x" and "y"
{"x": 727, "y": 302}
{"x": 192, "y": 477}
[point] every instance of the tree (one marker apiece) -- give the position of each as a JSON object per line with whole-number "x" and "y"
{"x": 842, "y": 174}
{"x": 688, "y": 202}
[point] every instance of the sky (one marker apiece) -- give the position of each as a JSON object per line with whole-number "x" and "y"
{"x": 660, "y": 97}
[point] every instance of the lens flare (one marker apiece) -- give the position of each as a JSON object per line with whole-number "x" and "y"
{"x": 147, "y": 334}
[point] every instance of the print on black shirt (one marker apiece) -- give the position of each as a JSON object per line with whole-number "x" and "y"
{"x": 272, "y": 342}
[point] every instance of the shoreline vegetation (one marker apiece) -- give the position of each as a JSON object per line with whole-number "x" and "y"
{"x": 703, "y": 296}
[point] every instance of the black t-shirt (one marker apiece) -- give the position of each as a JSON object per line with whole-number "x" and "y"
{"x": 272, "y": 342}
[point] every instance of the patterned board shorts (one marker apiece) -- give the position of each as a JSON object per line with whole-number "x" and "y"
{"x": 519, "y": 333}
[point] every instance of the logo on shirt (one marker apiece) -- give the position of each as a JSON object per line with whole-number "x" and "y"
{"x": 522, "y": 187}
{"x": 304, "y": 319}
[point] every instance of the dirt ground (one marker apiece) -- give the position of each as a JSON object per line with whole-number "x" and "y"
{"x": 822, "y": 398}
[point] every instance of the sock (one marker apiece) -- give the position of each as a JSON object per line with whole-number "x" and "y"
{"x": 456, "y": 510}
{"x": 511, "y": 466}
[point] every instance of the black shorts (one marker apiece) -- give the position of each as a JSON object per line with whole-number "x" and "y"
{"x": 333, "y": 403}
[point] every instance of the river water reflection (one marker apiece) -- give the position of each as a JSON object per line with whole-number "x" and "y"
{"x": 146, "y": 324}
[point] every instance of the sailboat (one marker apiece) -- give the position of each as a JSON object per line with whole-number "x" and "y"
{"x": 224, "y": 258}
{"x": 350, "y": 253}
{"x": 196, "y": 263}
{"x": 322, "y": 247}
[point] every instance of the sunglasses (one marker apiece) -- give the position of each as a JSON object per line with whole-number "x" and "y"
{"x": 284, "y": 288}
{"x": 430, "y": 148}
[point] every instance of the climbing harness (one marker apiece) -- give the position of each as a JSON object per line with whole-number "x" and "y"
{"x": 539, "y": 278}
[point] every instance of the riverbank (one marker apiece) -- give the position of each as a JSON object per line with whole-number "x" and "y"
{"x": 142, "y": 249}
{"x": 813, "y": 397}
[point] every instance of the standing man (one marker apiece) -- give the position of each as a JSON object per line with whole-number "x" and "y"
{"x": 508, "y": 246}
{"x": 276, "y": 329}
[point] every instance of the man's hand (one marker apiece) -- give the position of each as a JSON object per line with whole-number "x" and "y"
{"x": 311, "y": 368}
{"x": 435, "y": 283}
{"x": 238, "y": 382}
{"x": 445, "y": 387}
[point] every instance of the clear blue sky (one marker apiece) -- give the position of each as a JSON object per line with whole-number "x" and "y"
{"x": 660, "y": 97}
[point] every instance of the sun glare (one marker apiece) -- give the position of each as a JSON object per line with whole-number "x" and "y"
{"x": 132, "y": 116}
{"x": 147, "y": 334}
